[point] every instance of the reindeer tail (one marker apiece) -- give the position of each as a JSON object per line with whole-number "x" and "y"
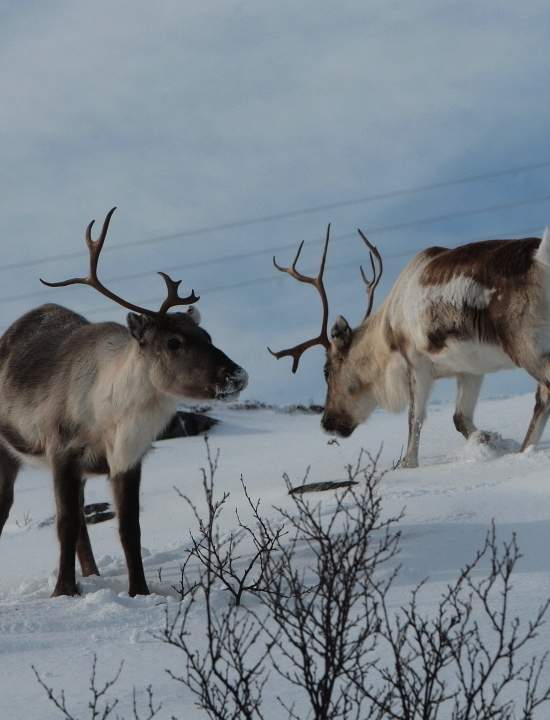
{"x": 543, "y": 253}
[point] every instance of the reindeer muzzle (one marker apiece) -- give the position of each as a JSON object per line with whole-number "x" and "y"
{"x": 234, "y": 383}
{"x": 337, "y": 426}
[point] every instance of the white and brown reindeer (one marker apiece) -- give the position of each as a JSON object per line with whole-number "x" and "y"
{"x": 90, "y": 398}
{"x": 460, "y": 312}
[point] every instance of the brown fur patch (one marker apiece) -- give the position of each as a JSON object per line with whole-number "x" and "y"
{"x": 434, "y": 251}
{"x": 488, "y": 262}
{"x": 460, "y": 424}
{"x": 504, "y": 266}
{"x": 450, "y": 323}
{"x": 396, "y": 340}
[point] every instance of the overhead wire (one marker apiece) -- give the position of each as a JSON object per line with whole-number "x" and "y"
{"x": 244, "y": 222}
{"x": 274, "y": 277}
{"x": 372, "y": 231}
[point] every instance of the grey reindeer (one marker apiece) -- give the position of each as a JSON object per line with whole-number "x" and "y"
{"x": 89, "y": 398}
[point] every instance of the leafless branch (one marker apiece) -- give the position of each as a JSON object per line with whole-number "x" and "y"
{"x": 100, "y": 705}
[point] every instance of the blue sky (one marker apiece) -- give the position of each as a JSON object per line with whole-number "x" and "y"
{"x": 194, "y": 114}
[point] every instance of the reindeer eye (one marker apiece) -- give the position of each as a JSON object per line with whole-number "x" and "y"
{"x": 174, "y": 343}
{"x": 325, "y": 372}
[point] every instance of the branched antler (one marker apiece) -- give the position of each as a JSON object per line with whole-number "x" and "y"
{"x": 377, "y": 269}
{"x": 95, "y": 247}
{"x": 173, "y": 298}
{"x": 297, "y": 351}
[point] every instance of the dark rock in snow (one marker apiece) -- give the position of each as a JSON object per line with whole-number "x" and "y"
{"x": 187, "y": 424}
{"x": 99, "y": 517}
{"x": 96, "y": 507}
{"x": 321, "y": 486}
{"x": 98, "y": 512}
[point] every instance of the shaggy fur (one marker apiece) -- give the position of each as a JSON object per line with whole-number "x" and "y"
{"x": 88, "y": 398}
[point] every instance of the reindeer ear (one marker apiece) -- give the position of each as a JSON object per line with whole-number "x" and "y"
{"x": 194, "y": 314}
{"x": 341, "y": 333}
{"x": 136, "y": 326}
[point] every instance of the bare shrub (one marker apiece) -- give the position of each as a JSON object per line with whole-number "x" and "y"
{"x": 321, "y": 620}
{"x": 309, "y": 600}
{"x": 228, "y": 677}
{"x": 218, "y": 554}
{"x": 25, "y": 522}
{"x": 463, "y": 662}
{"x": 101, "y": 704}
{"x": 323, "y": 614}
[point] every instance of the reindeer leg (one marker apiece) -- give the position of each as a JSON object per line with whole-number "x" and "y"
{"x": 420, "y": 384}
{"x": 9, "y": 467}
{"x": 67, "y": 483}
{"x": 83, "y": 545}
{"x": 467, "y": 393}
{"x": 126, "y": 492}
{"x": 540, "y": 416}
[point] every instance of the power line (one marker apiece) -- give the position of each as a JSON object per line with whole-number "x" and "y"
{"x": 285, "y": 214}
{"x": 372, "y": 231}
{"x": 274, "y": 277}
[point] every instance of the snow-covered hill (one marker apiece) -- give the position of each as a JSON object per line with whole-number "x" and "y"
{"x": 449, "y": 504}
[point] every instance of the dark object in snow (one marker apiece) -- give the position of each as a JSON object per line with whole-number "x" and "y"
{"x": 93, "y": 513}
{"x": 187, "y": 424}
{"x": 311, "y": 409}
{"x": 321, "y": 486}
{"x": 47, "y": 522}
{"x": 99, "y": 517}
{"x": 98, "y": 512}
{"x": 96, "y": 507}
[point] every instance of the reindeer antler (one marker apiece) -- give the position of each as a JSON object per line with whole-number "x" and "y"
{"x": 297, "y": 351}
{"x": 377, "y": 270}
{"x": 95, "y": 247}
{"x": 173, "y": 298}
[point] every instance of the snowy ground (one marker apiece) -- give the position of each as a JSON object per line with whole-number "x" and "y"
{"x": 449, "y": 502}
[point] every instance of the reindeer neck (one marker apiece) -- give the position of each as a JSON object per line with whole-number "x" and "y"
{"x": 379, "y": 353}
{"x": 131, "y": 387}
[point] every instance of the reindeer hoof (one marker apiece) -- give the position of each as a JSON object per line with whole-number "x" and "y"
{"x": 90, "y": 570}
{"x": 408, "y": 463}
{"x": 141, "y": 590}
{"x": 483, "y": 436}
{"x": 70, "y": 589}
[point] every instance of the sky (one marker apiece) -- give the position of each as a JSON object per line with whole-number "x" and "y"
{"x": 223, "y": 130}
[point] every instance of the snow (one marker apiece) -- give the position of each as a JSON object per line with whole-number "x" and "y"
{"x": 449, "y": 502}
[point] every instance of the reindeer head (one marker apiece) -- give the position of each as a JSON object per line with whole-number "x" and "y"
{"x": 179, "y": 356}
{"x": 350, "y": 398}
{"x": 181, "y": 359}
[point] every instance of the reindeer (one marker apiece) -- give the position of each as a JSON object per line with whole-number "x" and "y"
{"x": 459, "y": 312}
{"x": 89, "y": 398}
